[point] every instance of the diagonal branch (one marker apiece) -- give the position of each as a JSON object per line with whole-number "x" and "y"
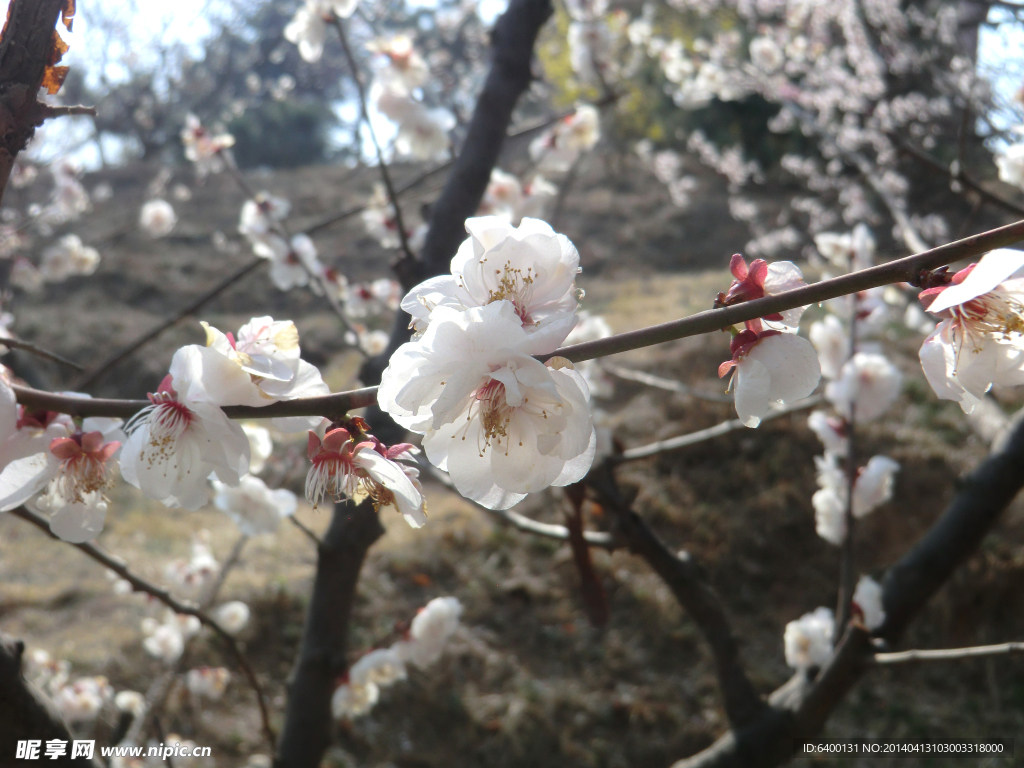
{"x": 25, "y": 711}
{"x": 119, "y": 567}
{"x": 799, "y": 709}
{"x": 684, "y": 577}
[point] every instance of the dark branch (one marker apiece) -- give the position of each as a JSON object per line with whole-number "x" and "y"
{"x": 684, "y": 577}
{"x": 26, "y": 50}
{"x": 512, "y": 40}
{"x": 321, "y": 661}
{"x": 140, "y": 584}
{"x": 799, "y": 708}
{"x": 26, "y": 713}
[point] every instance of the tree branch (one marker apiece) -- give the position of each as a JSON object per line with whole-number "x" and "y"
{"x": 684, "y": 577}
{"x": 512, "y": 40}
{"x": 26, "y": 51}
{"x": 321, "y": 661}
{"x": 26, "y": 713}
{"x": 682, "y": 441}
{"x": 907, "y": 269}
{"x": 799, "y": 708}
{"x": 140, "y": 584}
{"x": 949, "y": 654}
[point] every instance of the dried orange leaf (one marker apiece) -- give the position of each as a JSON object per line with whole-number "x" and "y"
{"x": 58, "y": 48}
{"x": 53, "y": 78}
{"x": 67, "y": 15}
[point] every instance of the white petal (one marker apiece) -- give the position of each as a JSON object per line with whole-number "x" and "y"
{"x": 994, "y": 268}
{"x": 24, "y": 478}
{"x": 751, "y": 386}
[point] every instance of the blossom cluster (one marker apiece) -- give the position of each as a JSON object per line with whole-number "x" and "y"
{"x": 501, "y": 423}
{"x": 422, "y": 645}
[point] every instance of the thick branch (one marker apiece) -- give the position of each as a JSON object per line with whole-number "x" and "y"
{"x": 684, "y": 577}
{"x": 799, "y": 708}
{"x": 512, "y": 39}
{"x": 26, "y": 50}
{"x": 321, "y": 661}
{"x": 26, "y": 713}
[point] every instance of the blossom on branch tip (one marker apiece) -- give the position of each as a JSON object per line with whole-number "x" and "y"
{"x": 769, "y": 367}
{"x": 808, "y": 640}
{"x": 232, "y": 616}
{"x": 832, "y": 342}
{"x": 68, "y": 257}
{"x": 431, "y": 628}
{"x": 207, "y": 682}
{"x": 979, "y": 341}
{"x": 872, "y": 488}
{"x": 498, "y": 421}
{"x": 558, "y": 148}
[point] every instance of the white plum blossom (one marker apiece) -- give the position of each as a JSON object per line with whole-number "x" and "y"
{"x": 872, "y": 488}
{"x": 157, "y": 218}
{"x": 769, "y": 367}
{"x": 253, "y": 506}
{"x": 131, "y": 702}
{"x": 766, "y": 55}
{"x": 259, "y": 366}
{"x": 383, "y": 666}
{"x": 260, "y": 217}
{"x": 979, "y": 341}
{"x": 163, "y": 641}
{"x": 831, "y": 432}
{"x": 868, "y": 598}
{"x": 404, "y": 63}
{"x": 25, "y": 275}
{"x": 67, "y": 257}
{"x": 46, "y": 451}
{"x": 204, "y": 148}
{"x": 44, "y": 671}
{"x": 557, "y": 149}
{"x": 591, "y": 328}
{"x": 531, "y": 266}
{"x": 175, "y": 443}
{"x": 232, "y": 616}
{"x": 1010, "y": 162}
{"x": 308, "y": 28}
{"x": 761, "y": 279}
{"x": 867, "y": 386}
{"x": 808, "y": 640}
{"x": 849, "y": 251}
{"x": 84, "y": 699}
{"x": 292, "y": 264}
{"x": 194, "y": 573}
{"x": 341, "y": 466}
{"x": 832, "y": 342}
{"x": 431, "y": 629}
{"x": 207, "y": 682}
{"x": 350, "y": 700}
{"x": 423, "y": 132}
{"x": 498, "y": 421}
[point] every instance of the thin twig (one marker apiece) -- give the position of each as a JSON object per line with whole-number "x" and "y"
{"x": 524, "y": 523}
{"x": 692, "y": 438}
{"x": 961, "y": 176}
{"x": 364, "y": 113}
{"x": 38, "y": 352}
{"x": 174, "y": 319}
{"x": 950, "y": 654}
{"x": 305, "y": 529}
{"x": 669, "y": 385}
{"x": 119, "y": 567}
{"x": 907, "y": 269}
